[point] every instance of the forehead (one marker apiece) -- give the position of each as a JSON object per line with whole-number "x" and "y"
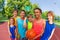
{"x": 15, "y": 11}
{"x": 11, "y": 19}
{"x": 22, "y": 12}
{"x": 36, "y": 10}
{"x": 50, "y": 14}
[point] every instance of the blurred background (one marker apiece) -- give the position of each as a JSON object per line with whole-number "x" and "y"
{"x": 7, "y": 7}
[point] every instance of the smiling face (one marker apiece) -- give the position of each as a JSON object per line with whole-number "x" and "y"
{"x": 22, "y": 14}
{"x": 37, "y": 13}
{"x": 50, "y": 16}
{"x": 30, "y": 18}
{"x": 15, "y": 13}
{"x": 11, "y": 21}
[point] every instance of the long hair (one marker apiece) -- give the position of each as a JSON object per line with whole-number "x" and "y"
{"x": 13, "y": 21}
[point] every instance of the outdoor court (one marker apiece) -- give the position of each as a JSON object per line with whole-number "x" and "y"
{"x": 5, "y": 36}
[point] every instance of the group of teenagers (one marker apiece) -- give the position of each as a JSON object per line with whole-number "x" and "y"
{"x": 18, "y": 25}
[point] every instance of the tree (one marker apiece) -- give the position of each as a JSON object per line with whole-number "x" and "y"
{"x": 44, "y": 14}
{"x": 1, "y": 6}
{"x": 20, "y": 5}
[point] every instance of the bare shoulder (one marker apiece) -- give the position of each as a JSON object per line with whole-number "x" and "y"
{"x": 43, "y": 20}
{"x": 33, "y": 19}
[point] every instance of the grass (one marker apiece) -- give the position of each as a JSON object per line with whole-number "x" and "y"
{"x": 3, "y": 19}
{"x": 57, "y": 23}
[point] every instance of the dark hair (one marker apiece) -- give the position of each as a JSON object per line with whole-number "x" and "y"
{"x": 38, "y": 9}
{"x": 30, "y": 15}
{"x": 15, "y": 10}
{"x": 23, "y": 11}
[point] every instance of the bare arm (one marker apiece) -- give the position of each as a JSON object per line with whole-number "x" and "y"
{"x": 25, "y": 24}
{"x": 16, "y": 31}
{"x": 51, "y": 34}
{"x": 9, "y": 29}
{"x": 43, "y": 27}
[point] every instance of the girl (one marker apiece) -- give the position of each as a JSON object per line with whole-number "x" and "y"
{"x": 12, "y": 28}
{"x": 15, "y": 13}
{"x": 50, "y": 27}
{"x": 38, "y": 23}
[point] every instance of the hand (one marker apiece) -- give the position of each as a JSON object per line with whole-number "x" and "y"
{"x": 35, "y": 38}
{"x": 25, "y": 18}
{"x": 25, "y": 24}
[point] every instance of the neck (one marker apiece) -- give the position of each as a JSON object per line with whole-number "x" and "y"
{"x": 30, "y": 21}
{"x": 38, "y": 18}
{"x": 23, "y": 18}
{"x": 14, "y": 16}
{"x": 51, "y": 22}
{"x": 11, "y": 24}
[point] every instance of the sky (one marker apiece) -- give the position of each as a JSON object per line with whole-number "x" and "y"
{"x": 48, "y": 5}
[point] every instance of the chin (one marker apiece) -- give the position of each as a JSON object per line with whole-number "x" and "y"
{"x": 36, "y": 16}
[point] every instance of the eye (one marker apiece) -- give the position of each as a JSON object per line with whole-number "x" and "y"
{"x": 36, "y": 12}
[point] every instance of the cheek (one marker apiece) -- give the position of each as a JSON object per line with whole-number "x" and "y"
{"x": 50, "y": 18}
{"x": 28, "y": 18}
{"x": 36, "y": 14}
{"x": 12, "y": 21}
{"x": 15, "y": 13}
{"x": 23, "y": 14}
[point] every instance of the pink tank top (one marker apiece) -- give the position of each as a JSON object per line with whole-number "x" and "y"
{"x": 38, "y": 27}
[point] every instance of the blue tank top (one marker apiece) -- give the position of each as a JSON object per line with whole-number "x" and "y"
{"x": 21, "y": 29}
{"x": 12, "y": 31}
{"x": 48, "y": 31}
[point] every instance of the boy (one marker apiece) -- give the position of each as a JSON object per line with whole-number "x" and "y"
{"x": 50, "y": 27}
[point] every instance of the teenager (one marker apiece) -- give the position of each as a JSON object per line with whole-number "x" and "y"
{"x": 20, "y": 23}
{"x": 38, "y": 23}
{"x": 15, "y": 16}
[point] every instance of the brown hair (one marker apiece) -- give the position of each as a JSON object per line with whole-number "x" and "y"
{"x": 30, "y": 15}
{"x": 38, "y": 9}
{"x": 51, "y": 13}
{"x": 13, "y": 20}
{"x": 23, "y": 11}
{"x": 15, "y": 10}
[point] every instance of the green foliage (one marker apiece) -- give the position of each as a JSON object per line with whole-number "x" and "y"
{"x": 44, "y": 14}
{"x": 18, "y": 4}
